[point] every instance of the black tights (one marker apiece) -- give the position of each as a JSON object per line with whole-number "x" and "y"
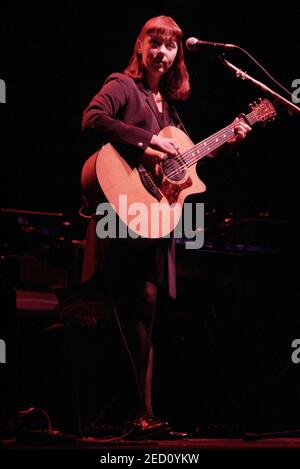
{"x": 139, "y": 332}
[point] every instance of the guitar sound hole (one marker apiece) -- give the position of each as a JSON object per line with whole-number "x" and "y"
{"x": 173, "y": 170}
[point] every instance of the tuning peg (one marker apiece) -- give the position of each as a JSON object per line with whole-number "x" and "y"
{"x": 255, "y": 103}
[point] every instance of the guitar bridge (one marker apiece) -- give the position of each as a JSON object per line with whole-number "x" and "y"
{"x": 148, "y": 182}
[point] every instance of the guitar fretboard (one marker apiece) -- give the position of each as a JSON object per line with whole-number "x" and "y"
{"x": 214, "y": 142}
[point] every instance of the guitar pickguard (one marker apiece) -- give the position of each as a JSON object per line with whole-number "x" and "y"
{"x": 159, "y": 185}
{"x": 172, "y": 190}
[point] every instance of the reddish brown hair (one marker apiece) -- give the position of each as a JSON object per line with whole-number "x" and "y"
{"x": 176, "y": 82}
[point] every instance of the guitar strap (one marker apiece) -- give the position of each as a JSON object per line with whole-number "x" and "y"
{"x": 177, "y": 119}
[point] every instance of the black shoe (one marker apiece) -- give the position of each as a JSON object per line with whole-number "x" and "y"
{"x": 150, "y": 428}
{"x": 148, "y": 423}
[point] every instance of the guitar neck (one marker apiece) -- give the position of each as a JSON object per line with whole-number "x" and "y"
{"x": 215, "y": 141}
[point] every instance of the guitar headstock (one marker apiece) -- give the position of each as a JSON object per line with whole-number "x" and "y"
{"x": 263, "y": 110}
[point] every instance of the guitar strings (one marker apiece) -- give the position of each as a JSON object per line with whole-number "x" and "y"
{"x": 186, "y": 156}
{"x": 189, "y": 157}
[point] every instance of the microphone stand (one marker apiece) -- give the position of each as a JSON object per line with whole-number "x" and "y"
{"x": 290, "y": 107}
{"x": 292, "y": 110}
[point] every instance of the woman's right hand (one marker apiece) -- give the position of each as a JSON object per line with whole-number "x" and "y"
{"x": 164, "y": 145}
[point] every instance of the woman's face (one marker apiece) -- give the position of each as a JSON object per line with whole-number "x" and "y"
{"x": 158, "y": 53}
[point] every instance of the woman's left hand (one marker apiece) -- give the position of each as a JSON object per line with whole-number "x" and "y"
{"x": 241, "y": 129}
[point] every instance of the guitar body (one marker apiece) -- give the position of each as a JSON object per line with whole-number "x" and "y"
{"x": 107, "y": 174}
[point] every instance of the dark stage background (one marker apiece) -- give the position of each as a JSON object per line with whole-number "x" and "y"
{"x": 54, "y": 58}
{"x": 58, "y": 57}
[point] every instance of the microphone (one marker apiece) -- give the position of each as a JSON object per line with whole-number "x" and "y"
{"x": 194, "y": 44}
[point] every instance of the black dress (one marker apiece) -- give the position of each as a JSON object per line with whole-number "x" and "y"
{"x": 125, "y": 114}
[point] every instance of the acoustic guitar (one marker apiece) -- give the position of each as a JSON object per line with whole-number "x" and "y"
{"x": 149, "y": 198}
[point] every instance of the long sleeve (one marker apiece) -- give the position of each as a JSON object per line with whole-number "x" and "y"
{"x": 115, "y": 113}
